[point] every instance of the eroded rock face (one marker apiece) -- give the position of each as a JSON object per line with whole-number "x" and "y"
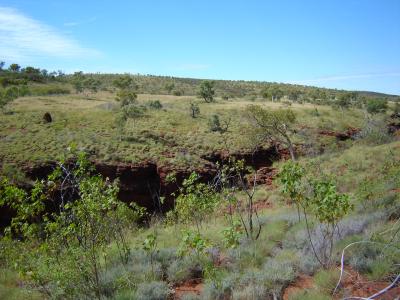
{"x": 144, "y": 183}
{"x": 350, "y": 133}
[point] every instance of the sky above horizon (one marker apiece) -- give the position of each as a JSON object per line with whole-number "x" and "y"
{"x": 346, "y": 44}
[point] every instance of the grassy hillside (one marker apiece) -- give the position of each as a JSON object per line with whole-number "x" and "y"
{"x": 168, "y": 135}
{"x": 225, "y": 236}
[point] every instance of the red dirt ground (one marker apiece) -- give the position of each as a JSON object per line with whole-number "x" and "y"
{"x": 193, "y": 286}
{"x": 353, "y": 284}
{"x": 302, "y": 282}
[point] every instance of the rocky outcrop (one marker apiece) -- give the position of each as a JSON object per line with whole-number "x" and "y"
{"x": 146, "y": 182}
{"x": 350, "y": 133}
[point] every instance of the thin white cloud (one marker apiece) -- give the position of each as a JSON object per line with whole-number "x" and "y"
{"x": 346, "y": 77}
{"x": 77, "y": 23}
{"x": 192, "y": 67}
{"x": 23, "y": 38}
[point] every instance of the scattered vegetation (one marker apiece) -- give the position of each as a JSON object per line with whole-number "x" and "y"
{"x": 226, "y": 232}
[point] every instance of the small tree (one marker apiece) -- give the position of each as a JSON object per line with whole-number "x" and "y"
{"x": 329, "y": 207}
{"x": 344, "y": 101}
{"x": 214, "y": 123}
{"x": 195, "y": 202}
{"x": 126, "y": 97}
{"x": 290, "y": 178}
{"x": 194, "y": 110}
{"x": 124, "y": 82}
{"x": 78, "y": 82}
{"x": 321, "y": 201}
{"x": 273, "y": 126}
{"x": 91, "y": 84}
{"x": 207, "y": 91}
{"x": 230, "y": 179}
{"x": 14, "y": 68}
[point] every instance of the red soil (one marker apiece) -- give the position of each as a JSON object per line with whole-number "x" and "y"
{"x": 193, "y": 286}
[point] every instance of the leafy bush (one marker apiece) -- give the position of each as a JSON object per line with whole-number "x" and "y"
{"x": 182, "y": 269}
{"x": 326, "y": 280}
{"x": 278, "y": 272}
{"x": 375, "y": 106}
{"x": 253, "y": 292}
{"x": 155, "y": 104}
{"x": 214, "y": 123}
{"x": 222, "y": 290}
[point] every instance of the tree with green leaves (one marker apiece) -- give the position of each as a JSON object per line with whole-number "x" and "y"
{"x": 92, "y": 84}
{"x": 78, "y": 81}
{"x": 125, "y": 82}
{"x": 273, "y": 91}
{"x": 14, "y": 68}
{"x": 328, "y": 207}
{"x": 207, "y": 91}
{"x": 194, "y": 203}
{"x": 321, "y": 200}
{"x": 290, "y": 178}
{"x": 126, "y": 97}
{"x": 274, "y": 126}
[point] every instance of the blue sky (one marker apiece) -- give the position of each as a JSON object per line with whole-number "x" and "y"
{"x": 349, "y": 44}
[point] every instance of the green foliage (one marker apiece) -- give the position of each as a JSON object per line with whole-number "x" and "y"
{"x": 290, "y": 178}
{"x": 327, "y": 204}
{"x": 124, "y": 82}
{"x": 206, "y": 91}
{"x": 214, "y": 123}
{"x": 155, "y": 290}
{"x": 274, "y": 92}
{"x": 194, "y": 110}
{"x": 195, "y": 202}
{"x": 232, "y": 234}
{"x": 271, "y": 125}
{"x": 77, "y": 82}
{"x": 375, "y": 106}
{"x": 193, "y": 242}
{"x": 126, "y": 97}
{"x": 150, "y": 246}
{"x": 326, "y": 280}
{"x": 155, "y": 104}
{"x": 66, "y": 248}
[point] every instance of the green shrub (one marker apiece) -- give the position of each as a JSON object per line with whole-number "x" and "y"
{"x": 326, "y": 280}
{"x": 183, "y": 269}
{"x": 250, "y": 292}
{"x": 155, "y": 290}
{"x": 309, "y": 295}
{"x": 278, "y": 272}
{"x": 155, "y": 104}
